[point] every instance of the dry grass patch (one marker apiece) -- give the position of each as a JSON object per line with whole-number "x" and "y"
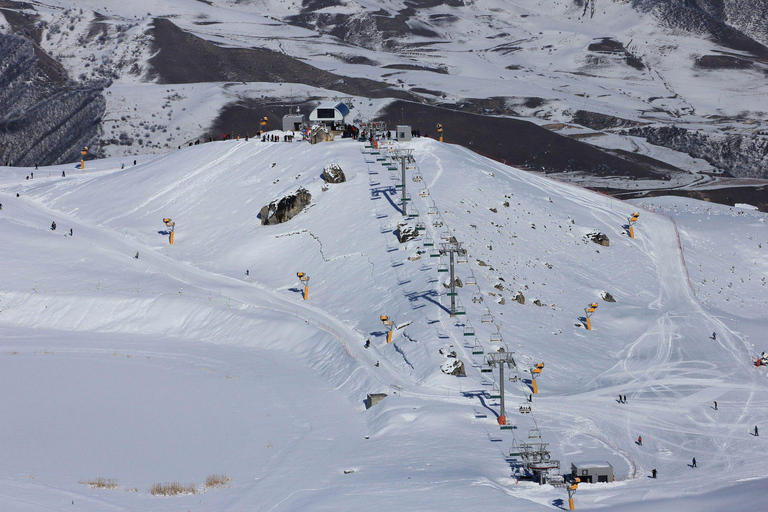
{"x": 172, "y": 489}
{"x": 101, "y": 483}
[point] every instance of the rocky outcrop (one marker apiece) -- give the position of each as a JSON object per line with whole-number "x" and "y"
{"x": 285, "y": 209}
{"x": 319, "y": 134}
{"x": 406, "y": 232}
{"x": 44, "y": 119}
{"x": 520, "y": 298}
{"x": 599, "y": 238}
{"x": 743, "y": 156}
{"x": 456, "y": 282}
{"x": 607, "y": 297}
{"x": 333, "y": 174}
{"x": 454, "y": 367}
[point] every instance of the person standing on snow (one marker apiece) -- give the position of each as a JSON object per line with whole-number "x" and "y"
{"x": 694, "y": 463}
{"x": 715, "y": 404}
{"x": 640, "y": 440}
{"x": 53, "y": 226}
{"x": 756, "y": 434}
{"x": 714, "y": 336}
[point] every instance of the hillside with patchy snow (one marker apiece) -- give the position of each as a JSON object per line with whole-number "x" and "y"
{"x": 130, "y": 359}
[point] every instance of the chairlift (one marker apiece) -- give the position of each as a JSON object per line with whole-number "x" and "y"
{"x": 445, "y": 235}
{"x": 477, "y": 298}
{"x": 462, "y": 258}
{"x": 470, "y": 280}
{"x": 420, "y": 226}
{"x": 413, "y": 212}
{"x": 469, "y": 330}
{"x": 410, "y": 167}
{"x": 442, "y": 267}
{"x": 477, "y": 350}
{"x": 407, "y": 198}
{"x": 525, "y": 409}
{"x": 496, "y": 337}
{"x": 495, "y": 391}
{"x": 432, "y": 210}
{"x": 534, "y": 433}
{"x": 461, "y": 310}
{"x": 513, "y": 378}
{"x": 424, "y": 192}
{"x": 418, "y": 178}
{"x": 434, "y": 253}
{"x": 486, "y": 369}
{"x": 487, "y": 319}
{"x": 437, "y": 223}
{"x": 429, "y": 242}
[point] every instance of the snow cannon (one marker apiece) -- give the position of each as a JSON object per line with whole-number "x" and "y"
{"x": 762, "y": 360}
{"x": 571, "y": 491}
{"x": 304, "y": 279}
{"x": 589, "y": 310}
{"x": 263, "y": 124}
{"x": 82, "y": 160}
{"x": 389, "y": 325}
{"x": 535, "y": 372}
{"x": 171, "y": 225}
{"x": 632, "y": 221}
{"x": 440, "y": 131}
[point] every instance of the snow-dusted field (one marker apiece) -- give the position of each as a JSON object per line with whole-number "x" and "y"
{"x": 176, "y": 365}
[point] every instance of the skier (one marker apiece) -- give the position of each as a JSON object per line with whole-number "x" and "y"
{"x": 377, "y": 364}
{"x": 134, "y": 162}
{"x": 640, "y": 440}
{"x": 1, "y": 206}
{"x": 625, "y": 398}
{"x": 63, "y": 174}
{"x": 367, "y": 343}
{"x": 715, "y": 404}
{"x": 653, "y": 472}
{"x": 714, "y": 336}
{"x": 530, "y": 398}
{"x": 32, "y": 175}
{"x": 137, "y": 255}
{"x": 694, "y": 463}
{"x": 70, "y": 231}
{"x": 621, "y": 400}
{"x": 35, "y": 169}
{"x": 247, "y": 272}
{"x": 53, "y": 226}
{"x": 756, "y": 434}
{"x": 122, "y": 166}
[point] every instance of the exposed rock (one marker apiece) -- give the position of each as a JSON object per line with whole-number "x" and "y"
{"x": 319, "y": 134}
{"x": 607, "y": 297}
{"x": 286, "y": 208}
{"x": 406, "y": 232}
{"x": 499, "y": 287}
{"x": 537, "y": 302}
{"x": 333, "y": 174}
{"x": 501, "y": 300}
{"x": 481, "y": 263}
{"x": 454, "y": 367}
{"x": 520, "y": 298}
{"x": 447, "y": 352}
{"x": 599, "y": 238}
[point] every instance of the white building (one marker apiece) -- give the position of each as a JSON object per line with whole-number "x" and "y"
{"x": 329, "y": 114}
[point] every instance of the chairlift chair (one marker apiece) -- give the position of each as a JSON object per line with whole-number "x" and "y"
{"x": 428, "y": 242}
{"x": 487, "y": 319}
{"x": 433, "y": 253}
{"x": 413, "y": 212}
{"x": 496, "y": 337}
{"x": 462, "y": 258}
{"x": 461, "y": 310}
{"x": 418, "y": 177}
{"x": 525, "y": 409}
{"x": 495, "y": 391}
{"x": 470, "y": 280}
{"x": 445, "y": 235}
{"x": 442, "y": 267}
{"x": 477, "y": 298}
{"x": 437, "y": 223}
{"x": 432, "y": 210}
{"x": 469, "y": 330}
{"x": 424, "y": 192}
{"x": 534, "y": 433}
{"x": 477, "y": 350}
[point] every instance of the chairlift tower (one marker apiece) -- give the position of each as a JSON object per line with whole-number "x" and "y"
{"x": 500, "y": 359}
{"x": 450, "y": 248}
{"x": 405, "y": 156}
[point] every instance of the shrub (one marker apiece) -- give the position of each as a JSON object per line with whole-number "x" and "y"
{"x": 101, "y": 483}
{"x": 172, "y": 489}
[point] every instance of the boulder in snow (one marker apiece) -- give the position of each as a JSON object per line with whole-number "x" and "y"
{"x": 286, "y": 208}
{"x": 607, "y": 297}
{"x": 599, "y": 238}
{"x": 333, "y": 174}
{"x": 454, "y": 367}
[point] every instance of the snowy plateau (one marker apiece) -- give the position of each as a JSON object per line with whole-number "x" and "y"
{"x": 127, "y": 359}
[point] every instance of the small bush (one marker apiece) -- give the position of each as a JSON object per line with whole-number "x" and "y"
{"x": 101, "y": 483}
{"x": 214, "y": 481}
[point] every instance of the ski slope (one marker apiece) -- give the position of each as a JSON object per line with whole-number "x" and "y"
{"x": 177, "y": 365}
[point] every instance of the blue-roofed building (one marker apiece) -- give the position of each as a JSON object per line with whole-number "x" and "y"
{"x": 329, "y": 114}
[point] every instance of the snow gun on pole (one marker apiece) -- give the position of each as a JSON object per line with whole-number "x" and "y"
{"x": 535, "y": 372}
{"x": 590, "y": 310}
{"x": 263, "y": 124}
{"x": 82, "y": 159}
{"x": 571, "y": 491}
{"x": 171, "y": 225}
{"x": 389, "y": 325}
{"x": 440, "y": 131}
{"x": 632, "y": 221}
{"x": 304, "y": 278}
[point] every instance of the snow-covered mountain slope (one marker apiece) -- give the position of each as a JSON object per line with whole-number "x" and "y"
{"x": 697, "y": 65}
{"x": 179, "y": 364}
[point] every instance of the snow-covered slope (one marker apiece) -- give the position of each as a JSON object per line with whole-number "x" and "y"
{"x": 178, "y": 365}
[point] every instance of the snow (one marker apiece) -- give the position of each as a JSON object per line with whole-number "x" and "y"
{"x": 178, "y": 365}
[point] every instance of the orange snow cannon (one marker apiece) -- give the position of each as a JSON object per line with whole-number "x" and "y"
{"x": 170, "y": 224}
{"x": 389, "y": 325}
{"x": 632, "y": 221}
{"x": 304, "y": 278}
